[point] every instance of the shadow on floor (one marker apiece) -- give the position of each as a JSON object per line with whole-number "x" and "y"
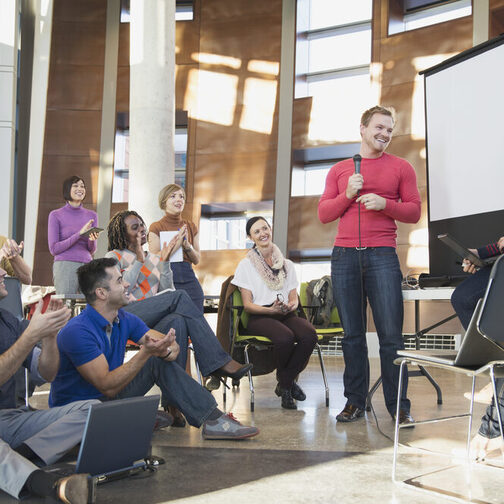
{"x": 194, "y": 471}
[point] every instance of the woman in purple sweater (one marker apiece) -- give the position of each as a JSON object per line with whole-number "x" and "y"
{"x": 70, "y": 241}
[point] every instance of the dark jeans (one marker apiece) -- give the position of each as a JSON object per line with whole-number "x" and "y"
{"x": 465, "y": 297}
{"x": 490, "y": 421}
{"x": 293, "y": 340}
{"x": 381, "y": 285}
{"x": 177, "y": 388}
{"x": 175, "y": 309}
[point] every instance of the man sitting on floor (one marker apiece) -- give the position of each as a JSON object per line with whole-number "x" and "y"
{"x": 92, "y": 347}
{"x": 42, "y": 436}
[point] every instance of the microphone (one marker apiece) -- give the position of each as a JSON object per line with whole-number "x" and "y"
{"x": 357, "y": 161}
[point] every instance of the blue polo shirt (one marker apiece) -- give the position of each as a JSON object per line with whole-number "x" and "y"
{"x": 82, "y": 340}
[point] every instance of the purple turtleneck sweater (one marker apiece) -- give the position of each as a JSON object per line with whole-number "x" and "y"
{"x": 65, "y": 242}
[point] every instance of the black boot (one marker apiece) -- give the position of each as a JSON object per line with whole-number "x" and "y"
{"x": 286, "y": 395}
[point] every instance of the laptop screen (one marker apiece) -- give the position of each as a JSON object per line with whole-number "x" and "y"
{"x": 117, "y": 434}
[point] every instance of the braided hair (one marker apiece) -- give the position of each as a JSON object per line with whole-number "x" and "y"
{"x": 117, "y": 231}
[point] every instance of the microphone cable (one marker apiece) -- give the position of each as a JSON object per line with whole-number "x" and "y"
{"x": 357, "y": 161}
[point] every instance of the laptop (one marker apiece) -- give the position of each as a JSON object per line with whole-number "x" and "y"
{"x": 464, "y": 252}
{"x": 475, "y": 350}
{"x": 117, "y": 439}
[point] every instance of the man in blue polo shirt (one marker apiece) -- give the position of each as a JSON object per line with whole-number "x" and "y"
{"x": 92, "y": 347}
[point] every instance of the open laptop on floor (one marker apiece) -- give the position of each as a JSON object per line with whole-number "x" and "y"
{"x": 475, "y": 350}
{"x": 117, "y": 439}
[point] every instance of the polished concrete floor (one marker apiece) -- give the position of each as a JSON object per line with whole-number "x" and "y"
{"x": 306, "y": 456}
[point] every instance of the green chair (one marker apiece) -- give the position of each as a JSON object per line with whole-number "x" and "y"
{"x": 239, "y": 338}
{"x": 325, "y": 334}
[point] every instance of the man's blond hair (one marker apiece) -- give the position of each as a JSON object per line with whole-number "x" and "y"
{"x": 377, "y": 109}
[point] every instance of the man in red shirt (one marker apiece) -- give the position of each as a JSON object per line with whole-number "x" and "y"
{"x": 364, "y": 263}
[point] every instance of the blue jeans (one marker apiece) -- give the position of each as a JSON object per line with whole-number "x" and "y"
{"x": 185, "y": 279}
{"x": 177, "y": 388}
{"x": 465, "y": 297}
{"x": 381, "y": 285}
{"x": 175, "y": 309}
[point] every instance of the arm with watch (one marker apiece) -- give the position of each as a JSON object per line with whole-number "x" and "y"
{"x": 192, "y": 250}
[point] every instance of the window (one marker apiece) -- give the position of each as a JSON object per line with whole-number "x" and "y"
{"x": 419, "y": 13}
{"x": 184, "y": 10}
{"x": 309, "y": 180}
{"x": 222, "y": 225}
{"x": 334, "y": 39}
{"x": 120, "y": 184}
{"x": 333, "y": 58}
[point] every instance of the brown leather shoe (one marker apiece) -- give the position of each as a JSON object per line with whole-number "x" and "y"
{"x": 406, "y": 419}
{"x": 350, "y": 413}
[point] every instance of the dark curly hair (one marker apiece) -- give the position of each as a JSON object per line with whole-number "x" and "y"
{"x": 117, "y": 231}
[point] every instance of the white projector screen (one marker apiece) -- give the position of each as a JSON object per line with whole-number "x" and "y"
{"x": 464, "y": 106}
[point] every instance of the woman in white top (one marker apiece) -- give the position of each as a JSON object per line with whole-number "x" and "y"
{"x": 268, "y": 285}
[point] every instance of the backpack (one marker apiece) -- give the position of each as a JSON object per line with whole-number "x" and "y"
{"x": 320, "y": 295}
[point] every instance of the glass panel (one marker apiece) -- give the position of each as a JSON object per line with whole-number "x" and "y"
{"x": 325, "y": 13}
{"x": 337, "y": 106}
{"x": 340, "y": 51}
{"x": 315, "y": 180}
{"x": 121, "y": 167}
{"x": 222, "y": 233}
{"x": 437, "y": 15}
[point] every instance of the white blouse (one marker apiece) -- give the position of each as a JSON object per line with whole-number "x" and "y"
{"x": 247, "y": 276}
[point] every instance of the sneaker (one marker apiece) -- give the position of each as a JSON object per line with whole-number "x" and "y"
{"x": 227, "y": 427}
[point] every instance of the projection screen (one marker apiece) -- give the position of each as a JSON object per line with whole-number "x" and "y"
{"x": 464, "y": 107}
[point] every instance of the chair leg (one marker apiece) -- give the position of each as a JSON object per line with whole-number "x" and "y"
{"x": 371, "y": 392}
{"x": 396, "y": 427}
{"x": 434, "y": 384}
{"x": 469, "y": 427}
{"x": 324, "y": 375}
{"x": 198, "y": 372}
{"x": 27, "y": 384}
{"x": 251, "y": 383}
{"x": 497, "y": 408}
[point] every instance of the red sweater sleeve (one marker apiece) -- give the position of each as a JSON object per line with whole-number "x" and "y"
{"x": 408, "y": 208}
{"x": 333, "y": 203}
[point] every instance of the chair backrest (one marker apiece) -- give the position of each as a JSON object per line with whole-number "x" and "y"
{"x": 13, "y": 302}
{"x": 237, "y": 301}
{"x": 491, "y": 318}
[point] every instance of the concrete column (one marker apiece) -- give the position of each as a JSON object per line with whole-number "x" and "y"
{"x": 284, "y": 149}
{"x": 9, "y": 10}
{"x": 40, "y": 79}
{"x": 152, "y": 104}
{"x": 481, "y": 21}
{"x": 108, "y": 122}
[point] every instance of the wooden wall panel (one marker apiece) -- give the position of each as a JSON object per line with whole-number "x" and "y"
{"x": 305, "y": 229}
{"x": 300, "y": 111}
{"x": 496, "y": 18}
{"x": 234, "y": 177}
{"x": 78, "y": 43}
{"x": 73, "y": 118}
